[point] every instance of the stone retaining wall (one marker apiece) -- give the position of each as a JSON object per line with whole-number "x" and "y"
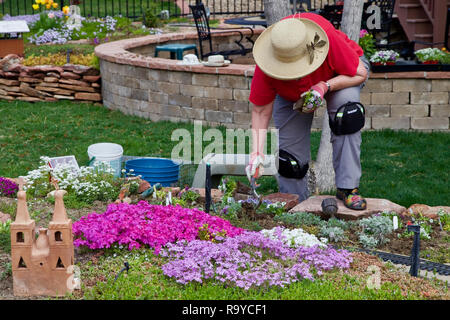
{"x": 48, "y": 83}
{"x": 160, "y": 89}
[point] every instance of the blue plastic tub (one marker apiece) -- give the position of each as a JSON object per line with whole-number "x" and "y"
{"x": 155, "y": 170}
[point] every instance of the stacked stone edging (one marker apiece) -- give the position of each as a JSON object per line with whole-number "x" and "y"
{"x": 48, "y": 83}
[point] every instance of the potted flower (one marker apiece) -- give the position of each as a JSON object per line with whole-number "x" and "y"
{"x": 429, "y": 55}
{"x": 367, "y": 43}
{"x": 384, "y": 58}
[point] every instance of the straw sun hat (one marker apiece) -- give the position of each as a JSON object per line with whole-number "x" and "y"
{"x": 291, "y": 49}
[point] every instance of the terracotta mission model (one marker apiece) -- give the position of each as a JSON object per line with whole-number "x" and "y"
{"x": 42, "y": 266}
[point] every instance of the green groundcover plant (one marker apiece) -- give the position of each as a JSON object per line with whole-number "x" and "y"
{"x": 87, "y": 184}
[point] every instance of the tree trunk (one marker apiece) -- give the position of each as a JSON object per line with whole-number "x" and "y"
{"x": 323, "y": 167}
{"x": 275, "y": 10}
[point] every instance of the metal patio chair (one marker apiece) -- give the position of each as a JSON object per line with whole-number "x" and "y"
{"x": 201, "y": 19}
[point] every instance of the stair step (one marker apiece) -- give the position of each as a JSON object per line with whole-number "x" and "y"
{"x": 409, "y": 5}
{"x": 417, "y": 20}
{"x": 423, "y": 35}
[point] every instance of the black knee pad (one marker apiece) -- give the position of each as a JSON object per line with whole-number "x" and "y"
{"x": 349, "y": 118}
{"x": 289, "y": 167}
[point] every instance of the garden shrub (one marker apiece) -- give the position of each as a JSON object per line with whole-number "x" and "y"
{"x": 334, "y": 234}
{"x": 334, "y": 222}
{"x": 377, "y": 227}
{"x": 151, "y": 18}
{"x": 367, "y": 241}
{"x": 299, "y": 219}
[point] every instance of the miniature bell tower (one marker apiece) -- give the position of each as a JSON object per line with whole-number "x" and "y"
{"x": 41, "y": 266}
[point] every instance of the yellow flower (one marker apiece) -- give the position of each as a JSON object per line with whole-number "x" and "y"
{"x": 38, "y": 1}
{"x": 55, "y": 5}
{"x": 50, "y": 2}
{"x": 48, "y": 6}
{"x": 65, "y": 9}
{"x": 35, "y": 6}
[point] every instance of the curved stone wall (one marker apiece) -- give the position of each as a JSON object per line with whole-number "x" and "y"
{"x": 136, "y": 83}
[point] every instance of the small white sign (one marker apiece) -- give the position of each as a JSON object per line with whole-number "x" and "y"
{"x": 64, "y": 160}
{"x": 395, "y": 222}
{"x": 17, "y": 26}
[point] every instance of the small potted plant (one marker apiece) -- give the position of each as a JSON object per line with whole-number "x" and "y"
{"x": 384, "y": 58}
{"x": 367, "y": 43}
{"x": 429, "y": 55}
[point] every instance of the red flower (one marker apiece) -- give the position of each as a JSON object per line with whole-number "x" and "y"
{"x": 409, "y": 223}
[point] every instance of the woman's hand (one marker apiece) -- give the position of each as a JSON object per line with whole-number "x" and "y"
{"x": 261, "y": 116}
{"x": 255, "y": 167}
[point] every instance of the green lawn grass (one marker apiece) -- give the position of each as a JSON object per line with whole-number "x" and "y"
{"x": 96, "y": 8}
{"x": 404, "y": 167}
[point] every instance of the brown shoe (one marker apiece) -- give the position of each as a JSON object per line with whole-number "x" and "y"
{"x": 352, "y": 199}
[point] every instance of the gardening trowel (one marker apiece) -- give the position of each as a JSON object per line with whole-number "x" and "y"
{"x": 253, "y": 185}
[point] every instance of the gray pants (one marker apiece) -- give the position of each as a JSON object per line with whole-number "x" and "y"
{"x": 294, "y": 137}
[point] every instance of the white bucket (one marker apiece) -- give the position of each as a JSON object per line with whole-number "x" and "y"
{"x": 109, "y": 152}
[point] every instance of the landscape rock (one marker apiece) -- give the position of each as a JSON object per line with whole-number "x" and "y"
{"x": 91, "y": 78}
{"x": 25, "y": 88}
{"x": 10, "y": 88}
{"x": 77, "y": 88}
{"x": 9, "y": 98}
{"x": 79, "y": 69}
{"x": 241, "y": 196}
{"x": 61, "y": 97}
{"x": 29, "y": 79}
{"x": 88, "y": 96}
{"x": 29, "y": 99}
{"x": 46, "y": 69}
{"x": 216, "y": 194}
{"x": 11, "y": 75}
{"x": 7, "y": 82}
{"x": 74, "y": 82}
{"x": 70, "y": 75}
{"x": 54, "y": 74}
{"x": 427, "y": 211}
{"x": 9, "y": 60}
{"x": 13, "y": 67}
{"x": 290, "y": 199}
{"x": 313, "y": 205}
{"x": 51, "y": 79}
{"x": 4, "y": 217}
{"x": 143, "y": 185}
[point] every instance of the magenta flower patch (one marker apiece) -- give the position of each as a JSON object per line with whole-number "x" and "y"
{"x": 145, "y": 224}
{"x": 7, "y": 187}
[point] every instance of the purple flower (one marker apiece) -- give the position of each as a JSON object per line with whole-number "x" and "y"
{"x": 249, "y": 260}
{"x": 7, "y": 187}
{"x": 363, "y": 32}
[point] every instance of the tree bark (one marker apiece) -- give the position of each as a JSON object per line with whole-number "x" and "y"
{"x": 275, "y": 10}
{"x": 323, "y": 167}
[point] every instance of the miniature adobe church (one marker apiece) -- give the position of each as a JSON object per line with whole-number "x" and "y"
{"x": 41, "y": 266}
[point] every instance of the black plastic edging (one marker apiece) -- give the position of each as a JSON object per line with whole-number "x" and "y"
{"x": 440, "y": 268}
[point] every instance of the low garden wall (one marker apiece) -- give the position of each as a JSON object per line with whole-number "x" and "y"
{"x": 136, "y": 83}
{"x": 48, "y": 83}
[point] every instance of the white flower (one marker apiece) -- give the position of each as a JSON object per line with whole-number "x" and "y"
{"x": 294, "y": 238}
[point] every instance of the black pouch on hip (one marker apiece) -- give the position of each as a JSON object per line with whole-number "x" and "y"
{"x": 349, "y": 118}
